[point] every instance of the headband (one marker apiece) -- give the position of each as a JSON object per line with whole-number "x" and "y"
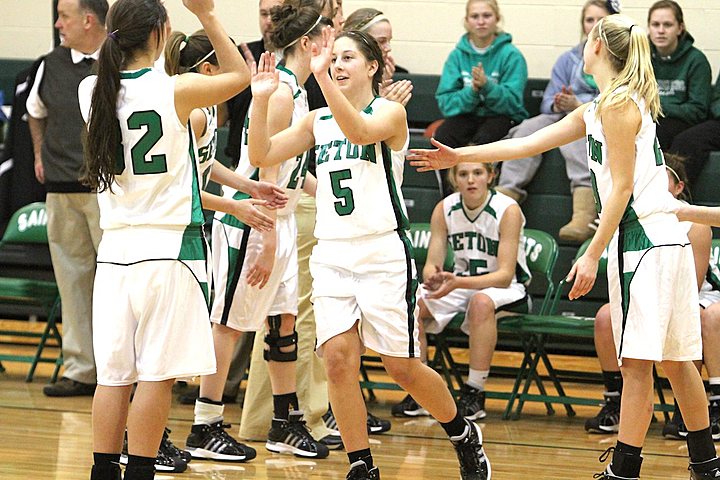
{"x": 377, "y": 18}
{"x": 210, "y": 53}
{"x": 317, "y": 22}
{"x": 672, "y": 170}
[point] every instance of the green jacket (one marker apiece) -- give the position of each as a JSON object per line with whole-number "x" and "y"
{"x": 684, "y": 81}
{"x": 507, "y": 74}
{"x": 715, "y": 104}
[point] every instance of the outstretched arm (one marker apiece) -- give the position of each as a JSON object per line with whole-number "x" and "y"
{"x": 569, "y": 129}
{"x": 697, "y": 214}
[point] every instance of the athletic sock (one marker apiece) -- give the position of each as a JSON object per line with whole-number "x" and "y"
{"x": 456, "y": 427}
{"x": 140, "y": 468}
{"x": 477, "y": 378}
{"x": 700, "y": 445}
{"x": 282, "y": 404}
{"x": 626, "y": 461}
{"x": 208, "y": 411}
{"x": 361, "y": 455}
{"x": 613, "y": 381}
{"x": 102, "y": 459}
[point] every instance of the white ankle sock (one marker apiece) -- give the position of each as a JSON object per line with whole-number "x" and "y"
{"x": 207, "y": 413}
{"x": 477, "y": 378}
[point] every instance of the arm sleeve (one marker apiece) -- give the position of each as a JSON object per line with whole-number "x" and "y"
{"x": 505, "y": 97}
{"x": 35, "y": 106}
{"x": 453, "y": 97}
{"x": 698, "y": 85}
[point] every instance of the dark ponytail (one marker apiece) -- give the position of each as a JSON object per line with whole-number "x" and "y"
{"x": 129, "y": 25}
{"x": 184, "y": 54}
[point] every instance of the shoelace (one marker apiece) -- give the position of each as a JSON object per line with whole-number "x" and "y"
{"x": 300, "y": 428}
{"x": 226, "y": 436}
{"x": 603, "y": 457}
{"x": 468, "y": 453}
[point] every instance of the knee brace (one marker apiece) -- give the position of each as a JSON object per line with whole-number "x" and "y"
{"x": 274, "y": 342}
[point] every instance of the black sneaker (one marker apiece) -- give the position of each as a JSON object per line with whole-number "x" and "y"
{"x": 359, "y": 471}
{"x": 165, "y": 460}
{"x": 471, "y": 403}
{"x": 608, "y": 419}
{"x": 169, "y": 448}
{"x": 474, "y": 464}
{"x": 715, "y": 416}
{"x": 332, "y": 441}
{"x": 675, "y": 429}
{"x": 707, "y": 470}
{"x": 330, "y": 422}
{"x": 608, "y": 475}
{"x": 408, "y": 407}
{"x": 377, "y": 425}
{"x": 66, "y": 387}
{"x": 630, "y": 461}
{"x": 293, "y": 436}
{"x": 212, "y": 442}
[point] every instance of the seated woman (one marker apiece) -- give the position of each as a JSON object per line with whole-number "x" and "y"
{"x": 569, "y": 88}
{"x": 708, "y": 275}
{"x": 682, "y": 72}
{"x": 484, "y": 229}
{"x": 481, "y": 88}
{"x": 378, "y": 26}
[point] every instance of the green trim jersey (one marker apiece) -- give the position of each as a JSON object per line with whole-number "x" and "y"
{"x": 291, "y": 176}
{"x": 358, "y": 191}
{"x": 154, "y": 210}
{"x": 475, "y": 241}
{"x": 207, "y": 145}
{"x": 650, "y": 197}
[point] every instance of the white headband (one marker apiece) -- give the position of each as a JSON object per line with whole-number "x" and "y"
{"x": 203, "y": 59}
{"x": 377, "y": 19}
{"x": 317, "y": 22}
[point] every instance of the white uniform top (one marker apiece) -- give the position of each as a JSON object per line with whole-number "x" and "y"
{"x": 291, "y": 176}
{"x": 475, "y": 241}
{"x": 207, "y": 144}
{"x": 650, "y": 198}
{"x": 358, "y": 191}
{"x": 156, "y": 190}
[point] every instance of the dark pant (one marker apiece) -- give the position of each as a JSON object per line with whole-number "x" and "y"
{"x": 668, "y": 129}
{"x": 696, "y": 143}
{"x": 469, "y": 129}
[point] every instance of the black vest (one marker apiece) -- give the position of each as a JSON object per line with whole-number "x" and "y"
{"x": 62, "y": 150}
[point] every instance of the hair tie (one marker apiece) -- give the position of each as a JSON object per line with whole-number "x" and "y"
{"x": 631, "y": 27}
{"x": 113, "y": 34}
{"x": 317, "y": 22}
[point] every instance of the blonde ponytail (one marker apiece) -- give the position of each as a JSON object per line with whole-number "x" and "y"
{"x": 629, "y": 54}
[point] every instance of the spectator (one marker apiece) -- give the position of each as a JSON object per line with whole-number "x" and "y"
{"x": 569, "y": 88}
{"x": 682, "y": 72}
{"x": 73, "y": 214}
{"x": 481, "y": 88}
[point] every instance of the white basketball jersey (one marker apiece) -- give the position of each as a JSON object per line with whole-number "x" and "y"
{"x": 291, "y": 176}
{"x": 475, "y": 241}
{"x": 650, "y": 195}
{"x": 207, "y": 144}
{"x": 358, "y": 191}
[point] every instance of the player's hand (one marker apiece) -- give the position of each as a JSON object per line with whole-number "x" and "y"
{"x": 439, "y": 159}
{"x": 441, "y": 284}
{"x": 271, "y": 193}
{"x": 400, "y": 91}
{"x": 322, "y": 52}
{"x": 260, "y": 271}
{"x": 246, "y": 211}
{"x": 199, "y": 7}
{"x": 39, "y": 171}
{"x": 265, "y": 78}
{"x": 584, "y": 272}
{"x": 389, "y": 70}
{"x": 248, "y": 56}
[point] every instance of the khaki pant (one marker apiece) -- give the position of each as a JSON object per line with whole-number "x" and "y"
{"x": 257, "y": 409}
{"x": 74, "y": 235}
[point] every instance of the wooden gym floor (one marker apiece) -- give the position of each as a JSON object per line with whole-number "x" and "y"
{"x": 45, "y": 438}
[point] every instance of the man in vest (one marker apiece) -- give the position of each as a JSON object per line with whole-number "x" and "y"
{"x": 73, "y": 215}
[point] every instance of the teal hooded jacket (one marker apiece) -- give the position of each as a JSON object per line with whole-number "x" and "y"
{"x": 506, "y": 71}
{"x": 684, "y": 81}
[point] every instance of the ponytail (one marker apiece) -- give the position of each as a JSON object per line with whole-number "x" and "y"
{"x": 629, "y": 55}
{"x": 185, "y": 54}
{"x": 130, "y": 23}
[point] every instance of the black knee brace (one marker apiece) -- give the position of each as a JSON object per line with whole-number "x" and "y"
{"x": 274, "y": 342}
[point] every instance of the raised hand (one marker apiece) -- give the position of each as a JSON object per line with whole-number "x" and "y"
{"x": 439, "y": 159}
{"x": 389, "y": 67}
{"x": 199, "y": 7}
{"x": 322, "y": 52}
{"x": 265, "y": 78}
{"x": 400, "y": 91}
{"x": 246, "y": 212}
{"x": 248, "y": 56}
{"x": 271, "y": 193}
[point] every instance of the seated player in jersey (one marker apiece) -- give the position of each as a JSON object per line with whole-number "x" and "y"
{"x": 483, "y": 227}
{"x": 708, "y": 277}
